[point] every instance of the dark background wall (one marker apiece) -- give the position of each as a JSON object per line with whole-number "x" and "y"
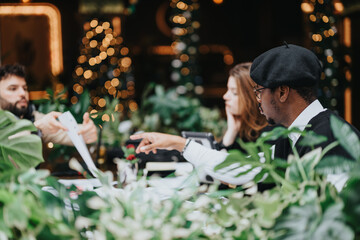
{"x": 247, "y": 28}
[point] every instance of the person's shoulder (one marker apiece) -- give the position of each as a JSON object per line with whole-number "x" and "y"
{"x": 321, "y": 122}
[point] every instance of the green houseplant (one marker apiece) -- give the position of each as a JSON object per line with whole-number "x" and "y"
{"x": 302, "y": 205}
{"x": 19, "y": 148}
{"x": 167, "y": 111}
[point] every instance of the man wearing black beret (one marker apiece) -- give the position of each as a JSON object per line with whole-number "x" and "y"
{"x": 287, "y": 79}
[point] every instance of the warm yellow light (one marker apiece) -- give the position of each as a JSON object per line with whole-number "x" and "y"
{"x": 109, "y": 36}
{"x": 93, "y": 113}
{"x": 115, "y": 82}
{"x": 79, "y": 71}
{"x": 85, "y": 40}
{"x": 348, "y": 75}
{"x": 133, "y": 106}
{"x": 106, "y": 42}
{"x": 74, "y": 100}
{"x": 112, "y": 91}
{"x": 124, "y": 51}
{"x": 92, "y": 61}
{"x": 50, "y": 145}
{"x": 325, "y": 19}
{"x": 347, "y": 58}
{"x": 184, "y": 57}
{"x": 54, "y": 18}
{"x": 88, "y": 74}
{"x": 79, "y": 89}
{"x": 185, "y": 71}
{"x": 101, "y": 102}
{"x": 338, "y": 6}
{"x": 228, "y": 59}
{"x": 110, "y": 51}
{"x": 98, "y": 29}
{"x": 81, "y": 59}
{"x": 105, "y": 118}
{"x": 321, "y": 1}
{"x": 119, "y": 107}
{"x": 116, "y": 72}
{"x": 89, "y": 34}
{"x": 106, "y": 25}
{"x": 119, "y": 40}
{"x": 316, "y": 37}
{"x": 124, "y": 94}
{"x": 94, "y": 23}
{"x": 218, "y": 1}
{"x": 126, "y": 62}
{"x": 312, "y": 18}
{"x": 103, "y": 55}
{"x": 181, "y": 5}
{"x": 195, "y": 24}
{"x": 107, "y": 84}
{"x": 307, "y": 7}
{"x": 348, "y": 112}
{"x": 116, "y": 22}
{"x": 347, "y": 32}
{"x": 93, "y": 43}
{"x": 331, "y": 32}
{"x": 330, "y": 59}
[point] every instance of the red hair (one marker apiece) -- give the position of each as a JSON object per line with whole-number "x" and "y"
{"x": 252, "y": 121}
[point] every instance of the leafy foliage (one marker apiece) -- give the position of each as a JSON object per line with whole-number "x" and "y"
{"x": 19, "y": 148}
{"x": 167, "y": 111}
{"x": 302, "y": 205}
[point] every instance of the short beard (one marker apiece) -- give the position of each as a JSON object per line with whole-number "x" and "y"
{"x": 19, "y": 112}
{"x": 271, "y": 121}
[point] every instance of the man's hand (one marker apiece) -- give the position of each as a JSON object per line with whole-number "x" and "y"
{"x": 49, "y": 123}
{"x": 88, "y": 130}
{"x": 152, "y": 141}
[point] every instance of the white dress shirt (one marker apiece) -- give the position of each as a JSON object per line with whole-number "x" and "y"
{"x": 304, "y": 118}
{"x": 205, "y": 159}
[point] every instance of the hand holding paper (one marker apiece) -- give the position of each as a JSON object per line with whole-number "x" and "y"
{"x": 68, "y": 120}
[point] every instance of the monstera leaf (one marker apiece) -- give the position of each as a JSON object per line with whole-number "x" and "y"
{"x": 17, "y": 145}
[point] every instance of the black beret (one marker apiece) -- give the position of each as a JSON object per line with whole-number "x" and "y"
{"x": 289, "y": 65}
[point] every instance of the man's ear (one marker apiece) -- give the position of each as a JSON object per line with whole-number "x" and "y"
{"x": 284, "y": 93}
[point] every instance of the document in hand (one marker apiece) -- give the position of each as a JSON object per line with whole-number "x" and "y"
{"x": 68, "y": 120}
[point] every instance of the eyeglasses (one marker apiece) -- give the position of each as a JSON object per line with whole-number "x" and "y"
{"x": 258, "y": 91}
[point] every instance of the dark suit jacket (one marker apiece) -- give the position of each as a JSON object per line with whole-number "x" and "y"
{"x": 320, "y": 124}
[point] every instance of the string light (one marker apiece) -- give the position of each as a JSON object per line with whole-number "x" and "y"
{"x": 104, "y": 67}
{"x": 322, "y": 19}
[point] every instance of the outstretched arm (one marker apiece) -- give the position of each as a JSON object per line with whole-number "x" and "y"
{"x": 48, "y": 124}
{"x": 152, "y": 141}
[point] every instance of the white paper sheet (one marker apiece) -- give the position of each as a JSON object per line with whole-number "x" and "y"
{"x": 68, "y": 120}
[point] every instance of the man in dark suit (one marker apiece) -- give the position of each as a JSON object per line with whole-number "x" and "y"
{"x": 287, "y": 79}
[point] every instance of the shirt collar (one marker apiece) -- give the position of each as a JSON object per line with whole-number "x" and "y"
{"x": 304, "y": 118}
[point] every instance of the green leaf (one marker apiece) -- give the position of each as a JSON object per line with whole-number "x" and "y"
{"x": 16, "y": 214}
{"x": 270, "y": 207}
{"x": 233, "y": 157}
{"x": 23, "y": 151}
{"x": 310, "y": 138}
{"x": 350, "y": 195}
{"x": 333, "y": 225}
{"x": 303, "y": 169}
{"x": 336, "y": 165}
{"x": 346, "y": 136}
